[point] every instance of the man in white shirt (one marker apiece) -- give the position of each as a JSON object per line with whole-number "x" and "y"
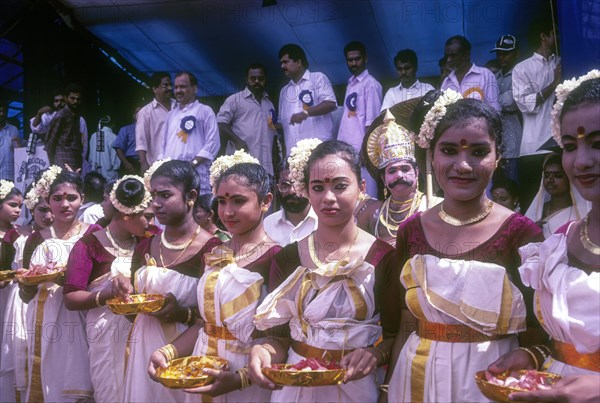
{"x": 151, "y": 119}
{"x": 467, "y": 78}
{"x": 296, "y": 219}
{"x": 406, "y": 65}
{"x": 9, "y": 140}
{"x": 191, "y": 132}
{"x": 306, "y": 102}
{"x": 246, "y": 119}
{"x": 40, "y": 123}
{"x": 361, "y": 103}
{"x": 533, "y": 83}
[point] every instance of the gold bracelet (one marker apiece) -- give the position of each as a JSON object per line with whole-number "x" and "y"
{"x": 98, "y": 304}
{"x": 383, "y": 388}
{"x": 542, "y": 352}
{"x": 189, "y": 317}
{"x": 166, "y": 353}
{"x": 383, "y": 355}
{"x": 244, "y": 378}
{"x": 532, "y": 355}
{"x": 169, "y": 351}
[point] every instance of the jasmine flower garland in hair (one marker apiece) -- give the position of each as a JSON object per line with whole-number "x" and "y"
{"x": 134, "y": 209}
{"x": 562, "y": 92}
{"x": 297, "y": 160}
{"x": 42, "y": 186}
{"x": 5, "y": 188}
{"x": 225, "y": 162}
{"x": 32, "y": 198}
{"x": 433, "y": 117}
{"x": 151, "y": 170}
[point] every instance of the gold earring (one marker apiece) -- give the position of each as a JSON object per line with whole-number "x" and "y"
{"x": 385, "y": 192}
{"x": 126, "y": 218}
{"x": 190, "y": 203}
{"x": 264, "y": 209}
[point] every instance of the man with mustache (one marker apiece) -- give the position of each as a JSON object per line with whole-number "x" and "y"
{"x": 296, "y": 219}
{"x": 247, "y": 119}
{"x": 391, "y": 152}
{"x": 361, "y": 103}
{"x": 191, "y": 131}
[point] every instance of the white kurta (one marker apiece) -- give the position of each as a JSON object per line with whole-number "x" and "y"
{"x": 228, "y": 297}
{"x": 336, "y": 312}
{"x": 471, "y": 293}
{"x": 567, "y": 299}
{"x": 149, "y": 333}
{"x": 64, "y": 368}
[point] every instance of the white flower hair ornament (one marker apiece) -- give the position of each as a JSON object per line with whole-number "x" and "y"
{"x": 562, "y": 92}
{"x": 5, "y": 188}
{"x": 42, "y": 186}
{"x": 151, "y": 170}
{"x": 225, "y": 162}
{"x": 297, "y": 160}
{"x": 134, "y": 209}
{"x": 32, "y": 198}
{"x": 433, "y": 117}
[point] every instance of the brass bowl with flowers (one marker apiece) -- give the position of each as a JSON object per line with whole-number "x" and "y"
{"x": 286, "y": 375}
{"x": 188, "y": 372}
{"x": 26, "y": 278}
{"x": 6, "y": 275}
{"x": 136, "y": 303}
{"x": 500, "y": 393}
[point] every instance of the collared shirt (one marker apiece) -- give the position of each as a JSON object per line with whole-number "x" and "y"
{"x": 282, "y": 231}
{"x": 512, "y": 130}
{"x": 251, "y": 121}
{"x": 478, "y": 83}
{"x": 314, "y": 88}
{"x": 361, "y": 107}
{"x": 202, "y": 140}
{"x": 400, "y": 94}
{"x": 7, "y": 153}
{"x": 150, "y": 129}
{"x": 44, "y": 124}
{"x": 126, "y": 141}
{"x": 528, "y": 78}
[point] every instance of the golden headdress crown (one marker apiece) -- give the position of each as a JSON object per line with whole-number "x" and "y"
{"x": 390, "y": 142}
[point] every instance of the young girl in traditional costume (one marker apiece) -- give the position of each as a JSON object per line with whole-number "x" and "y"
{"x": 564, "y": 270}
{"x": 11, "y": 201}
{"x": 459, "y": 261}
{"x": 94, "y": 260}
{"x": 337, "y": 284}
{"x": 170, "y": 264}
{"x": 58, "y": 364}
{"x": 234, "y": 282}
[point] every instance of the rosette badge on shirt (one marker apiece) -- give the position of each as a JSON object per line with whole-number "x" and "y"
{"x": 188, "y": 124}
{"x": 351, "y": 104}
{"x": 307, "y": 99}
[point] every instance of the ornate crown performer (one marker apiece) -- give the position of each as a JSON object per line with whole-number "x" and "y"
{"x": 391, "y": 152}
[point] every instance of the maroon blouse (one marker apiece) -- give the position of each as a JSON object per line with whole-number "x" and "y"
{"x": 387, "y": 284}
{"x": 502, "y": 248}
{"x": 7, "y": 249}
{"x": 88, "y": 261}
{"x": 262, "y": 265}
{"x": 193, "y": 267}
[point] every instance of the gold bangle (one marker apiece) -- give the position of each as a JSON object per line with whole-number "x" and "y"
{"x": 532, "y": 355}
{"x": 98, "y": 304}
{"x": 189, "y": 317}
{"x": 542, "y": 352}
{"x": 244, "y": 378}
{"x": 383, "y": 388}
{"x": 383, "y": 355}
{"x": 166, "y": 353}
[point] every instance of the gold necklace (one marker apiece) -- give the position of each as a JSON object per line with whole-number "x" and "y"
{"x": 187, "y": 244}
{"x": 391, "y": 224}
{"x": 237, "y": 258}
{"x": 457, "y": 222}
{"x": 314, "y": 253}
{"x": 125, "y": 252}
{"x": 53, "y": 232}
{"x": 585, "y": 237}
{"x": 169, "y": 245}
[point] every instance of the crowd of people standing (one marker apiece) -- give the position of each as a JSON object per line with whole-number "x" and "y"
{"x": 411, "y": 295}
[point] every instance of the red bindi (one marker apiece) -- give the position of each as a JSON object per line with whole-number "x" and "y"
{"x": 327, "y": 180}
{"x": 580, "y": 132}
{"x": 463, "y": 143}
{"x": 226, "y": 194}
